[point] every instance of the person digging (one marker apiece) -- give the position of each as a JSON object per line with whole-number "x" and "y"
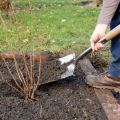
{"x": 110, "y": 14}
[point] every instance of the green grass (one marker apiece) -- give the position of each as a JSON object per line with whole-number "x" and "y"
{"x": 45, "y": 3}
{"x": 54, "y": 25}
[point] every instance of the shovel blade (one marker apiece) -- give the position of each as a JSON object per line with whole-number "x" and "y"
{"x": 70, "y": 66}
{"x": 68, "y": 63}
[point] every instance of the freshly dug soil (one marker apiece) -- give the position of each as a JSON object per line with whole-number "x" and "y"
{"x": 48, "y": 70}
{"x": 68, "y": 99}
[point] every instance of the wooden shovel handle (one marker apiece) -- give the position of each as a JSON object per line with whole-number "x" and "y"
{"x": 113, "y": 33}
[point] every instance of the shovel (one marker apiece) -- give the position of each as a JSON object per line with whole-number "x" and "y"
{"x": 71, "y": 60}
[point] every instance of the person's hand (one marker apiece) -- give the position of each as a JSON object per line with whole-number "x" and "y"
{"x": 98, "y": 33}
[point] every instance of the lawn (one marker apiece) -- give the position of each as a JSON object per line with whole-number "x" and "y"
{"x": 54, "y": 25}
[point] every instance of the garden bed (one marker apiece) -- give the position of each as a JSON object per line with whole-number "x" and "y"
{"x": 67, "y": 99}
{"x": 64, "y": 100}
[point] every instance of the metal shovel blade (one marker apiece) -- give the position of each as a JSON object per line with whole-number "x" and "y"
{"x": 70, "y": 66}
{"x": 68, "y": 63}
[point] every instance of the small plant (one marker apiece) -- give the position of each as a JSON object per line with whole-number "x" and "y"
{"x": 26, "y": 84}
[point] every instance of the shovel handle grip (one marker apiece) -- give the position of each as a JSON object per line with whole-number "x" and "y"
{"x": 113, "y": 33}
{"x": 109, "y": 36}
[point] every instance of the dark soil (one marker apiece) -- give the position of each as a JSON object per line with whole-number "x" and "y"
{"x": 68, "y": 99}
{"x": 50, "y": 69}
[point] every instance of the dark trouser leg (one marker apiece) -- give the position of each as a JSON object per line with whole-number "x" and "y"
{"x": 114, "y": 69}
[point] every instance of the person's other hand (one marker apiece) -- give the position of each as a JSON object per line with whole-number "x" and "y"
{"x": 98, "y": 34}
